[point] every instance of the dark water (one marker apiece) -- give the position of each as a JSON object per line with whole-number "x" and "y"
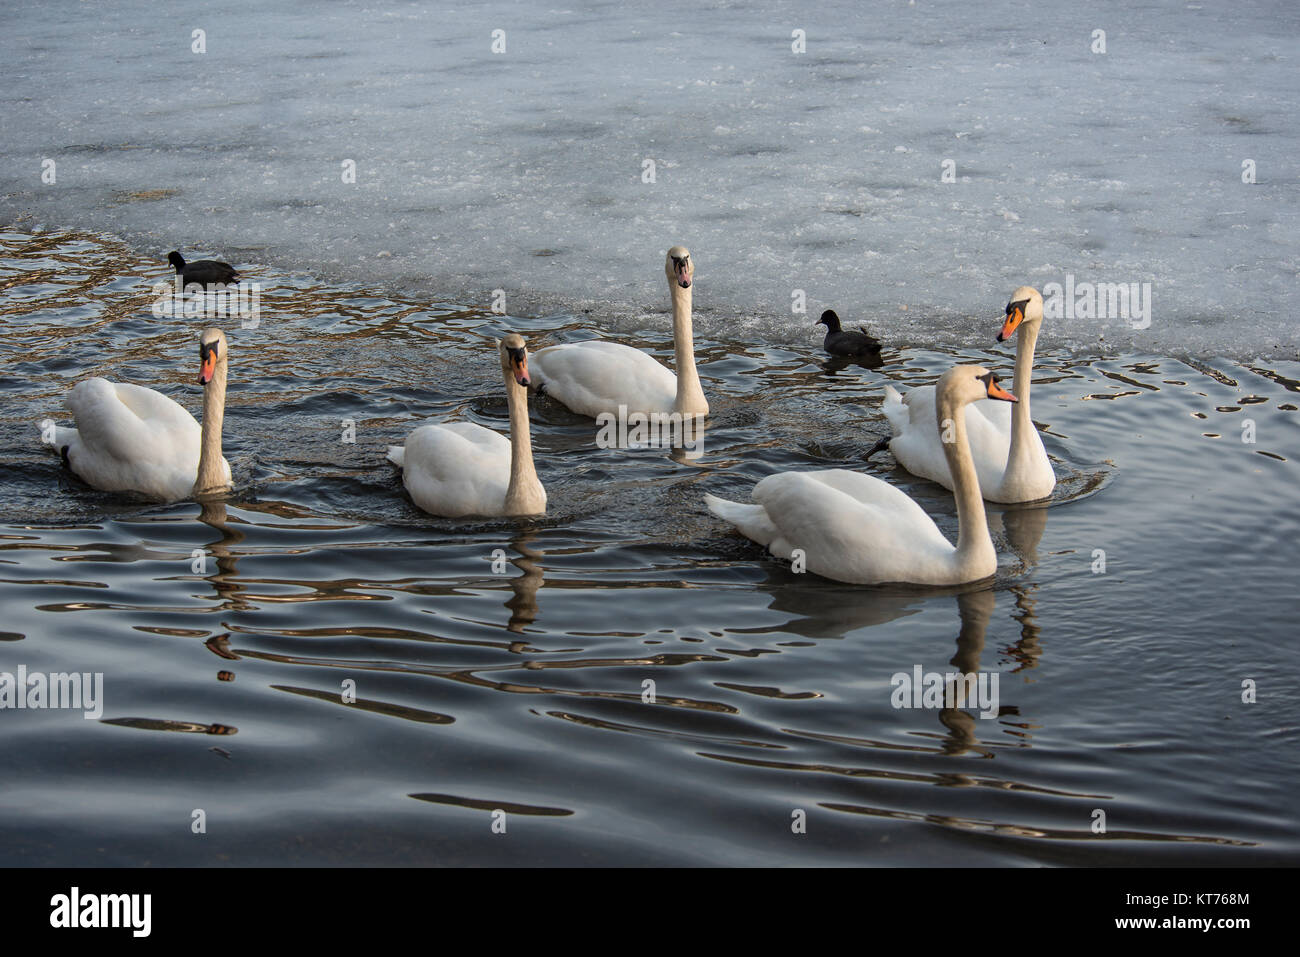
{"x": 520, "y": 687}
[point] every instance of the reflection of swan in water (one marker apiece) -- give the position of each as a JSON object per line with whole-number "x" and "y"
{"x": 829, "y": 612}
{"x": 687, "y": 440}
{"x": 523, "y": 603}
{"x": 976, "y": 610}
{"x": 682, "y": 436}
{"x": 225, "y": 579}
{"x": 1023, "y": 528}
{"x": 822, "y": 609}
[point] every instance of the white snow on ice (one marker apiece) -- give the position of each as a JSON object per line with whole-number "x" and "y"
{"x": 818, "y": 171}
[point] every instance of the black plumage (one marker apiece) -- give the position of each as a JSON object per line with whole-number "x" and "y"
{"x": 840, "y": 343}
{"x": 205, "y": 272}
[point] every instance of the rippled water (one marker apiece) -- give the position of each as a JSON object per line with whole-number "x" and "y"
{"x": 500, "y": 664}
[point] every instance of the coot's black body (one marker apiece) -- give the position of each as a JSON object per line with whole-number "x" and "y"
{"x": 839, "y": 343}
{"x": 205, "y": 272}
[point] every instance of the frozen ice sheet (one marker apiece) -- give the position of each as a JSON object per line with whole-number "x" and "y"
{"x": 818, "y": 171}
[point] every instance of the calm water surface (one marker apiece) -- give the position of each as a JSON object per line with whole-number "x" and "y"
{"x": 500, "y": 664}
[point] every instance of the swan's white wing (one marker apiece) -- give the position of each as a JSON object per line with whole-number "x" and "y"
{"x": 850, "y": 527}
{"x": 599, "y": 376}
{"x": 455, "y": 469}
{"x": 129, "y": 438}
{"x": 918, "y": 447}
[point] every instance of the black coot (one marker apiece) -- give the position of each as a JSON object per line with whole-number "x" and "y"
{"x": 839, "y": 343}
{"x": 205, "y": 272}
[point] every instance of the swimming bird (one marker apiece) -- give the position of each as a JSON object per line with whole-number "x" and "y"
{"x": 599, "y": 376}
{"x": 456, "y": 469}
{"x": 132, "y": 439}
{"x": 855, "y": 528}
{"x": 839, "y": 343}
{"x": 1010, "y": 460}
{"x": 205, "y": 272}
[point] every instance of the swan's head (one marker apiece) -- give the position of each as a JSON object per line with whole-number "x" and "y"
{"x": 176, "y": 259}
{"x": 514, "y": 357}
{"x": 1026, "y": 306}
{"x": 830, "y": 320}
{"x": 212, "y": 353}
{"x": 963, "y": 384}
{"x": 679, "y": 267}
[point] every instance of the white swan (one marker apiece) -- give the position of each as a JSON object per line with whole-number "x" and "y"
{"x": 1009, "y": 456}
{"x": 459, "y": 468}
{"x": 132, "y": 439}
{"x": 599, "y": 376}
{"x": 855, "y": 528}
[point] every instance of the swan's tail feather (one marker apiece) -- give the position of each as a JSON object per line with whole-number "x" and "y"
{"x": 751, "y": 520}
{"x": 63, "y": 439}
{"x": 895, "y": 411}
{"x": 397, "y": 455}
{"x": 720, "y": 507}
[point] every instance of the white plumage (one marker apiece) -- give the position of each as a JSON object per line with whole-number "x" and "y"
{"x": 131, "y": 439}
{"x": 1006, "y": 448}
{"x": 918, "y": 448}
{"x": 855, "y": 528}
{"x": 455, "y": 468}
{"x": 851, "y": 527}
{"x": 598, "y": 376}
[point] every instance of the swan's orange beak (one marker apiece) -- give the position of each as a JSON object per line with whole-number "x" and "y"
{"x": 997, "y": 392}
{"x": 1015, "y": 316}
{"x": 519, "y": 363}
{"x": 208, "y": 362}
{"x": 684, "y": 274}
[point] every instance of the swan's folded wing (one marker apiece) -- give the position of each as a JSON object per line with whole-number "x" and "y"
{"x": 991, "y": 414}
{"x": 131, "y": 423}
{"x": 913, "y": 410}
{"x": 599, "y": 376}
{"x": 456, "y": 450}
{"x": 851, "y": 527}
{"x": 916, "y": 443}
{"x": 457, "y": 468}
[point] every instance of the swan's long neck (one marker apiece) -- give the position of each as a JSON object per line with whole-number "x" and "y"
{"x": 690, "y": 396}
{"x": 212, "y": 473}
{"x": 1020, "y": 419}
{"x": 524, "y": 495}
{"x": 1021, "y": 456}
{"x": 974, "y": 547}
